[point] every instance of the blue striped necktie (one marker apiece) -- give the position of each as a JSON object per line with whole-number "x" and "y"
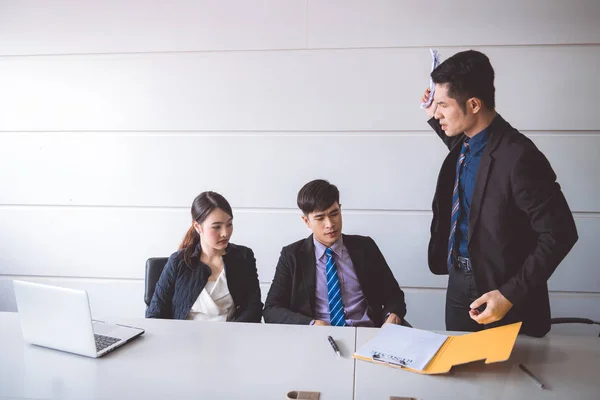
{"x": 334, "y": 294}
{"x": 456, "y": 202}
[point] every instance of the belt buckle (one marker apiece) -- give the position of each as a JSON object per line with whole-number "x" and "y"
{"x": 464, "y": 263}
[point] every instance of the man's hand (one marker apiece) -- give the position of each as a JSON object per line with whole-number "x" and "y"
{"x": 496, "y": 307}
{"x": 318, "y": 322}
{"x": 430, "y": 111}
{"x": 393, "y": 319}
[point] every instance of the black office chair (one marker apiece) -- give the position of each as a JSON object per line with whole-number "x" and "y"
{"x": 154, "y": 267}
{"x": 588, "y": 321}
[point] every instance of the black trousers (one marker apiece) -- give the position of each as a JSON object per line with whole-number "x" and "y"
{"x": 461, "y": 292}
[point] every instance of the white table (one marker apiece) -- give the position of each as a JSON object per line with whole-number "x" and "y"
{"x": 188, "y": 359}
{"x": 568, "y": 365}
{"x": 184, "y": 360}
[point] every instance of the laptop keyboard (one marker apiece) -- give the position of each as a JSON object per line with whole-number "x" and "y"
{"x": 103, "y": 342}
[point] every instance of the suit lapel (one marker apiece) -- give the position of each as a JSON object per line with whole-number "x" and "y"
{"x": 483, "y": 173}
{"x": 307, "y": 263}
{"x": 357, "y": 255}
{"x": 196, "y": 277}
{"x": 230, "y": 263}
{"x": 197, "y": 281}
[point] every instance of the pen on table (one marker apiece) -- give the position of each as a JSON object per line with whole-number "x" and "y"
{"x": 531, "y": 375}
{"x": 334, "y": 345}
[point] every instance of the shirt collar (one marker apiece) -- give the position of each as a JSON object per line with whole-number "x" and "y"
{"x": 478, "y": 142}
{"x": 337, "y": 248}
{"x": 198, "y": 250}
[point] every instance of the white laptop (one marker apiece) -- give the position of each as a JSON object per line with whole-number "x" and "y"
{"x": 60, "y": 319}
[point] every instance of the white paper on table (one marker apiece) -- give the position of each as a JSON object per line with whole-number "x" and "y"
{"x": 400, "y": 345}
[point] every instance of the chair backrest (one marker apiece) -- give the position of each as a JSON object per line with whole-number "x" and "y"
{"x": 574, "y": 320}
{"x": 154, "y": 267}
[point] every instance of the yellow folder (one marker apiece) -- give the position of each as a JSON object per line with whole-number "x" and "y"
{"x": 492, "y": 345}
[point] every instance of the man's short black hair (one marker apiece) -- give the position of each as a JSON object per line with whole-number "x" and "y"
{"x": 317, "y": 195}
{"x": 468, "y": 74}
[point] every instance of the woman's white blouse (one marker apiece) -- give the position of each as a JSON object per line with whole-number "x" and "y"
{"x": 214, "y": 303}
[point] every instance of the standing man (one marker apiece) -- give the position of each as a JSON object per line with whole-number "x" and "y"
{"x": 501, "y": 224}
{"x": 330, "y": 278}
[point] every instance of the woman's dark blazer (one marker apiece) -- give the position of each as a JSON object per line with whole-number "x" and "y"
{"x": 180, "y": 285}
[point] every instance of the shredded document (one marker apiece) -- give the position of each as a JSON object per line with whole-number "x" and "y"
{"x": 435, "y": 55}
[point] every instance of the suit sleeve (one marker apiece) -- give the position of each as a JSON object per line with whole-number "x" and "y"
{"x": 539, "y": 196}
{"x": 393, "y": 296}
{"x": 277, "y": 306}
{"x": 161, "y": 305}
{"x": 251, "y": 310}
{"x": 448, "y": 141}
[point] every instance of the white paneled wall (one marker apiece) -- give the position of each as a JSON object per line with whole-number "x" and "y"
{"x": 257, "y": 170}
{"x": 36, "y": 27}
{"x": 115, "y": 115}
{"x": 303, "y": 90}
{"x": 393, "y": 23}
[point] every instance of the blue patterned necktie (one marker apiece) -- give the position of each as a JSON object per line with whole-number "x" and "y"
{"x": 334, "y": 294}
{"x": 456, "y": 202}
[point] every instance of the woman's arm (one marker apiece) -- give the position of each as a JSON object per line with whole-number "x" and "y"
{"x": 161, "y": 305}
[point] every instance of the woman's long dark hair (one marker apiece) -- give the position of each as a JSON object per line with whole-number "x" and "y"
{"x": 203, "y": 205}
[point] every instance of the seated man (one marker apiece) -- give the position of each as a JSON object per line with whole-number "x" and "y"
{"x": 330, "y": 278}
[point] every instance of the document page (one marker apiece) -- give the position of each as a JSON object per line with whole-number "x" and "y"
{"x": 400, "y": 345}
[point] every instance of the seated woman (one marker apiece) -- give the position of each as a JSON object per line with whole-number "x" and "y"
{"x": 209, "y": 278}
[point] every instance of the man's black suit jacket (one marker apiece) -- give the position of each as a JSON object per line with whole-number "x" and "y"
{"x": 520, "y": 225}
{"x": 291, "y": 299}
